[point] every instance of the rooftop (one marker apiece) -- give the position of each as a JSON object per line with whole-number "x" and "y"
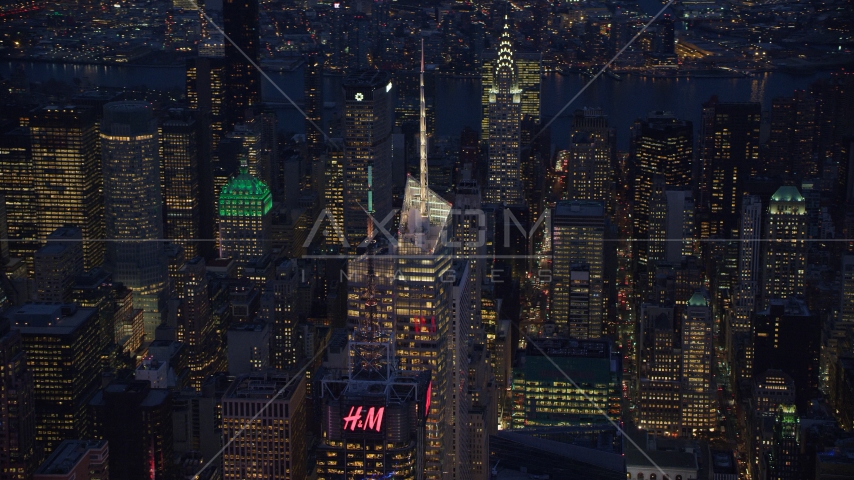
{"x": 67, "y": 455}
{"x": 787, "y": 193}
{"x": 50, "y": 318}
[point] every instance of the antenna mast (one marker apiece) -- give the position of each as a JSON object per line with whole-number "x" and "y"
{"x": 423, "y": 140}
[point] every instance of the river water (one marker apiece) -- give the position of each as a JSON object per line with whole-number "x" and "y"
{"x": 459, "y": 104}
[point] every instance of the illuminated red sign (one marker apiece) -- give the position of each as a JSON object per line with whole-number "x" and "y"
{"x": 429, "y": 393}
{"x": 422, "y": 326}
{"x": 373, "y": 419}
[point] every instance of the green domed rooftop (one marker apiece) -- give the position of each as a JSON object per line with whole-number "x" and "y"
{"x": 698, "y": 300}
{"x": 245, "y": 195}
{"x": 787, "y": 194}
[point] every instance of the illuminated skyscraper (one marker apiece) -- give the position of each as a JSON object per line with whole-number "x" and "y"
{"x": 589, "y": 157}
{"x": 423, "y": 301}
{"x": 729, "y": 148}
{"x": 542, "y": 396}
{"x": 333, "y": 197}
{"x": 62, "y": 347}
{"x": 196, "y": 326}
{"x": 367, "y": 145}
{"x": 179, "y": 157}
{"x": 243, "y": 81}
{"x": 17, "y": 413}
{"x": 528, "y": 69}
{"x": 698, "y": 391}
{"x": 244, "y": 218}
{"x": 67, "y": 176}
{"x": 133, "y": 207}
{"x": 662, "y": 145}
{"x": 578, "y": 232}
{"x": 846, "y": 307}
{"x": 739, "y": 328}
{"x": 659, "y": 367}
{"x": 504, "y": 184}
{"x": 16, "y": 184}
{"x": 784, "y": 258}
{"x": 274, "y": 446}
{"x": 374, "y": 416}
{"x": 784, "y": 460}
{"x": 313, "y": 100}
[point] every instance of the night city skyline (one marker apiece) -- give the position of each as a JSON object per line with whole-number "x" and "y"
{"x": 426, "y": 239}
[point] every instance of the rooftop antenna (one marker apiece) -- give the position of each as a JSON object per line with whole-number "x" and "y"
{"x": 423, "y": 140}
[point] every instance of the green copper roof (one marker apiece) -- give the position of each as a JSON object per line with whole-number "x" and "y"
{"x": 698, "y": 300}
{"x": 245, "y": 195}
{"x": 787, "y": 194}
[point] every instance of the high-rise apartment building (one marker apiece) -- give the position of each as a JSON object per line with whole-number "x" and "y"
{"x": 17, "y": 413}
{"x": 67, "y": 176}
{"x": 62, "y": 348}
{"x": 504, "y": 183}
{"x": 180, "y": 138}
{"x": 133, "y": 207}
{"x": 17, "y": 186}
{"x": 245, "y": 218}
{"x": 543, "y": 396}
{"x": 272, "y": 446}
{"x": 698, "y": 391}
{"x": 57, "y": 265}
{"x": 367, "y": 150}
{"x": 784, "y": 259}
{"x": 243, "y": 80}
{"x": 578, "y": 232}
{"x": 729, "y": 148}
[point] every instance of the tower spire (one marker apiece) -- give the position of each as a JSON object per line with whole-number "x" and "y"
{"x": 423, "y": 140}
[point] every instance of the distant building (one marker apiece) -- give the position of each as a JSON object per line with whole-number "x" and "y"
{"x": 504, "y": 184}
{"x": 787, "y": 337}
{"x": 367, "y": 161}
{"x": 67, "y": 175}
{"x": 62, "y": 348}
{"x": 18, "y": 187}
{"x": 243, "y": 80}
{"x": 784, "y": 257}
{"x": 244, "y": 218}
{"x": 180, "y": 140}
{"x": 17, "y": 412}
{"x": 77, "y": 460}
{"x": 785, "y": 461}
{"x": 577, "y": 238}
{"x": 729, "y": 148}
{"x": 248, "y": 348}
{"x": 57, "y": 264}
{"x": 662, "y": 145}
{"x": 558, "y": 453}
{"x": 698, "y": 391}
{"x": 133, "y": 207}
{"x": 136, "y": 420}
{"x": 544, "y": 396}
{"x": 280, "y": 429}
